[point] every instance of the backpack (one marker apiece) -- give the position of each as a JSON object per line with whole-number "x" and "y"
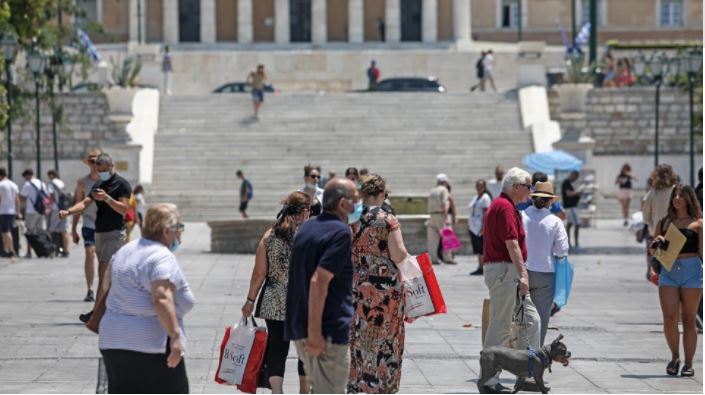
{"x": 42, "y": 205}
{"x": 65, "y": 199}
{"x": 480, "y": 68}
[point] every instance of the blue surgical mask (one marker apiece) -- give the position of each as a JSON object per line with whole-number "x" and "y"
{"x": 174, "y": 245}
{"x": 355, "y": 215}
{"x": 104, "y": 175}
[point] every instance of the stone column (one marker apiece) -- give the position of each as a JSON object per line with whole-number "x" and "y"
{"x": 171, "y": 22}
{"x": 282, "y": 28}
{"x": 244, "y": 21}
{"x": 133, "y": 20}
{"x": 208, "y": 21}
{"x": 356, "y": 21}
{"x": 392, "y": 21}
{"x": 462, "y": 21}
{"x": 319, "y": 22}
{"x": 429, "y": 21}
{"x": 99, "y": 11}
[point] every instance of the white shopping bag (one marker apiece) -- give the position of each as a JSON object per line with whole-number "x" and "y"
{"x": 236, "y": 351}
{"x": 416, "y": 296}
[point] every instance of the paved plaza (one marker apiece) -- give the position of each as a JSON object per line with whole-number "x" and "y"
{"x": 612, "y": 324}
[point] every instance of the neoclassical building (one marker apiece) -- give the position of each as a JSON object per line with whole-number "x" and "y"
{"x": 358, "y": 21}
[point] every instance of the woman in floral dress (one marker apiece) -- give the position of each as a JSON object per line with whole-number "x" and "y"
{"x": 377, "y": 331}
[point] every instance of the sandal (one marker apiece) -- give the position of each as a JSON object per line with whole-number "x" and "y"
{"x": 673, "y": 366}
{"x": 687, "y": 371}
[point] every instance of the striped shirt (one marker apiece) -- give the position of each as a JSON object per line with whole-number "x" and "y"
{"x": 130, "y": 321}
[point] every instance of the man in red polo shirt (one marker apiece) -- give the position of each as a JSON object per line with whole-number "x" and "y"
{"x": 505, "y": 269}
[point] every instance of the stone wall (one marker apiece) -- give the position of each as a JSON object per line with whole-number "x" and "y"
{"x": 86, "y": 125}
{"x": 622, "y": 121}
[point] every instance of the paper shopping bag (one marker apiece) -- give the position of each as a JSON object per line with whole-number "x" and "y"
{"x": 234, "y": 350}
{"x": 434, "y": 289}
{"x": 449, "y": 240}
{"x": 417, "y": 299}
{"x": 255, "y": 359}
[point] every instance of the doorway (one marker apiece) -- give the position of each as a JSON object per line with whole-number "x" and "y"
{"x": 300, "y": 20}
{"x": 411, "y": 20}
{"x": 189, "y": 20}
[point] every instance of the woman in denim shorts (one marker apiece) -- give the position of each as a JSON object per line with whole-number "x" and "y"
{"x": 681, "y": 288}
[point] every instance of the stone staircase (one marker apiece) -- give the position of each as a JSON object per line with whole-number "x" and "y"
{"x": 405, "y": 137}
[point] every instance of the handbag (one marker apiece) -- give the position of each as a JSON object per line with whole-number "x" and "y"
{"x": 563, "y": 281}
{"x": 417, "y": 299}
{"x": 241, "y": 355}
{"x": 449, "y": 240}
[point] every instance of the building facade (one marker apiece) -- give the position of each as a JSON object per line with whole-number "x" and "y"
{"x": 392, "y": 21}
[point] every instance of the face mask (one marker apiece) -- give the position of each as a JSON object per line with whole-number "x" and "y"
{"x": 355, "y": 215}
{"x": 104, "y": 175}
{"x": 310, "y": 186}
{"x": 174, "y": 245}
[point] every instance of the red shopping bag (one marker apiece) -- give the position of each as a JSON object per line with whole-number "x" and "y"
{"x": 250, "y": 379}
{"x": 241, "y": 355}
{"x": 434, "y": 290}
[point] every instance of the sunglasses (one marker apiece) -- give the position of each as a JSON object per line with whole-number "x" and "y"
{"x": 528, "y": 186}
{"x": 180, "y": 227}
{"x": 317, "y": 177}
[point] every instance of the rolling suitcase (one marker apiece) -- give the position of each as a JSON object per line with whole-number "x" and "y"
{"x": 42, "y": 245}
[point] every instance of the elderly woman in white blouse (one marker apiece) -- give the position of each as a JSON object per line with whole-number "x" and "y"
{"x": 546, "y": 238}
{"x": 142, "y": 336}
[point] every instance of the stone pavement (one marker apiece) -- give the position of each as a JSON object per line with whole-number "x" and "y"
{"x": 612, "y": 324}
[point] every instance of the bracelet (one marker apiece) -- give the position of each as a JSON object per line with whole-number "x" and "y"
{"x": 250, "y": 300}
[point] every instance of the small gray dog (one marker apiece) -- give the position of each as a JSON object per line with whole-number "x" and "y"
{"x": 496, "y": 359}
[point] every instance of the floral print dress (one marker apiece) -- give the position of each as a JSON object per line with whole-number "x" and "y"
{"x": 377, "y": 330}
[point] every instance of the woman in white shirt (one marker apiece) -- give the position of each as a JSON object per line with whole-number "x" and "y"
{"x": 546, "y": 239}
{"x": 142, "y": 337}
{"x": 478, "y": 208}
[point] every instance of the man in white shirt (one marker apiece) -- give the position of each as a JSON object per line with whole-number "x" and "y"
{"x": 495, "y": 185}
{"x": 30, "y": 193}
{"x": 9, "y": 210}
{"x": 487, "y": 65}
{"x": 58, "y": 227}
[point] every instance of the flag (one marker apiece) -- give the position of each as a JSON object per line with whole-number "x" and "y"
{"x": 85, "y": 41}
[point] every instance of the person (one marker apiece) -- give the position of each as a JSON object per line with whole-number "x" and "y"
{"x": 381, "y": 29}
{"x": 32, "y": 190}
{"x": 138, "y": 193}
{"x": 112, "y": 198}
{"x": 494, "y": 186}
{"x": 130, "y": 217}
{"x": 364, "y": 173}
{"x": 487, "y": 65}
{"x": 609, "y": 81}
{"x": 311, "y": 188}
{"x": 504, "y": 247}
{"x": 377, "y": 331}
{"x": 57, "y": 227}
{"x": 319, "y": 304}
{"x": 571, "y": 199}
{"x": 372, "y": 76}
{"x": 546, "y": 238}
{"x": 142, "y": 337}
{"x": 245, "y": 193}
{"x": 9, "y": 210}
{"x": 84, "y": 186}
{"x": 353, "y": 175}
{"x": 624, "y": 73}
{"x": 699, "y": 188}
{"x": 478, "y": 210}
{"x": 272, "y": 270}
{"x": 656, "y": 201}
{"x": 479, "y": 72}
{"x": 452, "y": 219}
{"x": 167, "y": 70}
{"x": 437, "y": 208}
{"x": 257, "y": 79}
{"x": 554, "y": 208}
{"x": 324, "y": 180}
{"x": 681, "y": 288}
{"x": 625, "y": 194}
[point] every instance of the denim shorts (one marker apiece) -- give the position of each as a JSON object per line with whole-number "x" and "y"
{"x": 6, "y": 222}
{"x": 88, "y": 236}
{"x": 257, "y": 95}
{"x": 685, "y": 273}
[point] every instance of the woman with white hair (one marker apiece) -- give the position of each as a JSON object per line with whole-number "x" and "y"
{"x": 142, "y": 336}
{"x": 546, "y": 238}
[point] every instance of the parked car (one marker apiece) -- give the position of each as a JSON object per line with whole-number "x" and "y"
{"x": 240, "y": 87}
{"x": 410, "y": 84}
{"x": 88, "y": 86}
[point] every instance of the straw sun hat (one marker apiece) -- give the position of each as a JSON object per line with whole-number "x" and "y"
{"x": 544, "y": 190}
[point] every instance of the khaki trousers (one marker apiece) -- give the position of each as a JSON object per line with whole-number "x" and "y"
{"x": 433, "y": 238}
{"x": 501, "y": 280}
{"x": 328, "y": 373}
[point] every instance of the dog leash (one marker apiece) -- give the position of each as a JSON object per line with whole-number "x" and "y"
{"x": 521, "y": 299}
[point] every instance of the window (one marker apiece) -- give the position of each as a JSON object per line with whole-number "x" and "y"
{"x": 671, "y": 13}
{"x": 90, "y": 7}
{"x": 585, "y": 12}
{"x": 510, "y": 13}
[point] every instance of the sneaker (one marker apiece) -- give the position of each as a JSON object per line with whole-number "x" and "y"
{"x": 554, "y": 309}
{"x": 478, "y": 272}
{"x": 64, "y": 254}
{"x": 89, "y": 296}
{"x": 85, "y": 317}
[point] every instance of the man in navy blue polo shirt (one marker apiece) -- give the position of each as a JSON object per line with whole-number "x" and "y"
{"x": 319, "y": 296}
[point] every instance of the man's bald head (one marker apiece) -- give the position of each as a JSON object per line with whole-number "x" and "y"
{"x": 337, "y": 188}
